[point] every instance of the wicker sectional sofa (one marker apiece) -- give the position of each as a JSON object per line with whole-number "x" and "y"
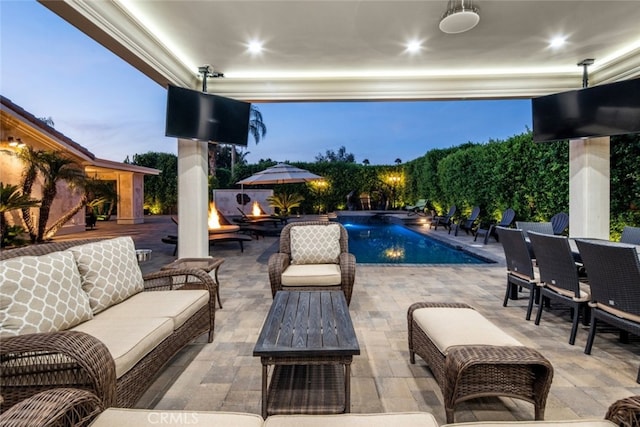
{"x": 73, "y": 407}
{"x": 80, "y": 314}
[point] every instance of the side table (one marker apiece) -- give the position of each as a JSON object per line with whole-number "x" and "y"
{"x": 207, "y": 264}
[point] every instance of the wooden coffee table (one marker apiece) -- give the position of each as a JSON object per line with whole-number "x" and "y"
{"x": 309, "y": 338}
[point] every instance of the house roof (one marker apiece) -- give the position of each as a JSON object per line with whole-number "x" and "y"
{"x": 16, "y": 118}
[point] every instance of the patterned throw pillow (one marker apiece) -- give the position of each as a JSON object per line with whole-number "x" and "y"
{"x": 41, "y": 294}
{"x": 109, "y": 271}
{"x": 315, "y": 244}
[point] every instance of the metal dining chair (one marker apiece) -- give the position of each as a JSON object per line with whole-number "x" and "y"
{"x": 520, "y": 273}
{"x": 559, "y": 280}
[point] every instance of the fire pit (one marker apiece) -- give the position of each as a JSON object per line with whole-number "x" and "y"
{"x": 214, "y": 222}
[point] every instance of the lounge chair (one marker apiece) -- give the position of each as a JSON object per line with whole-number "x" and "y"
{"x": 468, "y": 224}
{"x": 560, "y": 222}
{"x": 444, "y": 220}
{"x": 418, "y": 208}
{"x": 267, "y": 219}
{"x": 490, "y": 229}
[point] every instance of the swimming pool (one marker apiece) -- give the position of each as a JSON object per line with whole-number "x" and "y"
{"x": 395, "y": 244}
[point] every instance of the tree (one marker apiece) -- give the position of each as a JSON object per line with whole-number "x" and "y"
{"x": 54, "y": 168}
{"x": 257, "y": 129}
{"x": 331, "y": 156}
{"x": 31, "y": 159}
{"x": 161, "y": 192}
{"x": 11, "y": 198}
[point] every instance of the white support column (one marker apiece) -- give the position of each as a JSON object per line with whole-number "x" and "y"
{"x": 589, "y": 194}
{"x": 193, "y": 237}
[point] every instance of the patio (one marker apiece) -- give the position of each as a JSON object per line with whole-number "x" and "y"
{"x": 224, "y": 375}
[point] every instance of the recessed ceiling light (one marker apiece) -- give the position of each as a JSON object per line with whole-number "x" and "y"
{"x": 255, "y": 46}
{"x": 557, "y": 42}
{"x": 414, "y": 46}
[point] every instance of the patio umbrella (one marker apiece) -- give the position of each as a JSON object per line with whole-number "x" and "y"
{"x": 281, "y": 173}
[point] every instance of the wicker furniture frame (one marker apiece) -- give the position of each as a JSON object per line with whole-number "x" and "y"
{"x": 279, "y": 261}
{"x": 58, "y": 407}
{"x": 469, "y": 372}
{"x": 625, "y": 412}
{"x": 33, "y": 363}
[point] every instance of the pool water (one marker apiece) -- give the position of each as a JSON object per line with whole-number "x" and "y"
{"x": 395, "y": 244}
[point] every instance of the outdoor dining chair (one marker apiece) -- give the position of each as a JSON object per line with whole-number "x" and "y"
{"x": 559, "y": 279}
{"x": 560, "y": 222}
{"x": 630, "y": 235}
{"x": 520, "y": 272}
{"x": 614, "y": 277}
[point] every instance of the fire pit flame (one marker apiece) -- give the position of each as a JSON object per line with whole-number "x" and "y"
{"x": 214, "y": 220}
{"x": 256, "y": 211}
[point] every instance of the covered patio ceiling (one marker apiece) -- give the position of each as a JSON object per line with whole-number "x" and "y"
{"x": 357, "y": 50}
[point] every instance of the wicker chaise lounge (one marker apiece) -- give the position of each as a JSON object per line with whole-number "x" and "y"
{"x": 34, "y": 362}
{"x": 478, "y": 359}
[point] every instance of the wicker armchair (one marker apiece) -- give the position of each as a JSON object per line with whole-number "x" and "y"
{"x": 32, "y": 363}
{"x": 281, "y": 261}
{"x": 625, "y": 412}
{"x": 630, "y": 235}
{"x": 58, "y": 407}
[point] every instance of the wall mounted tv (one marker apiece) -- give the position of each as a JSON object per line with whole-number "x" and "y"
{"x": 605, "y": 110}
{"x": 192, "y": 114}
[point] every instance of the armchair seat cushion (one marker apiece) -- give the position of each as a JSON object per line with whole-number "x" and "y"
{"x": 312, "y": 275}
{"x": 128, "y": 341}
{"x": 465, "y": 326}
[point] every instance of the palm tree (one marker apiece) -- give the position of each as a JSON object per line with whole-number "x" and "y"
{"x": 257, "y": 129}
{"x": 54, "y": 168}
{"x": 11, "y": 198}
{"x": 95, "y": 193}
{"x": 31, "y": 158}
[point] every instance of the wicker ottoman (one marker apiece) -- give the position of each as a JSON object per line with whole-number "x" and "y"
{"x": 470, "y": 357}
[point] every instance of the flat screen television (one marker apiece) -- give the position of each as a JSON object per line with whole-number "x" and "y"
{"x": 192, "y": 114}
{"x": 605, "y": 110}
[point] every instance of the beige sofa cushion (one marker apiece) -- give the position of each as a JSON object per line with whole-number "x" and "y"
{"x": 399, "y": 419}
{"x": 566, "y": 423}
{"x": 121, "y": 417}
{"x": 109, "y": 271}
{"x": 448, "y": 327}
{"x": 41, "y": 294}
{"x": 179, "y": 306}
{"x": 128, "y": 340}
{"x": 312, "y": 275}
{"x": 315, "y": 244}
